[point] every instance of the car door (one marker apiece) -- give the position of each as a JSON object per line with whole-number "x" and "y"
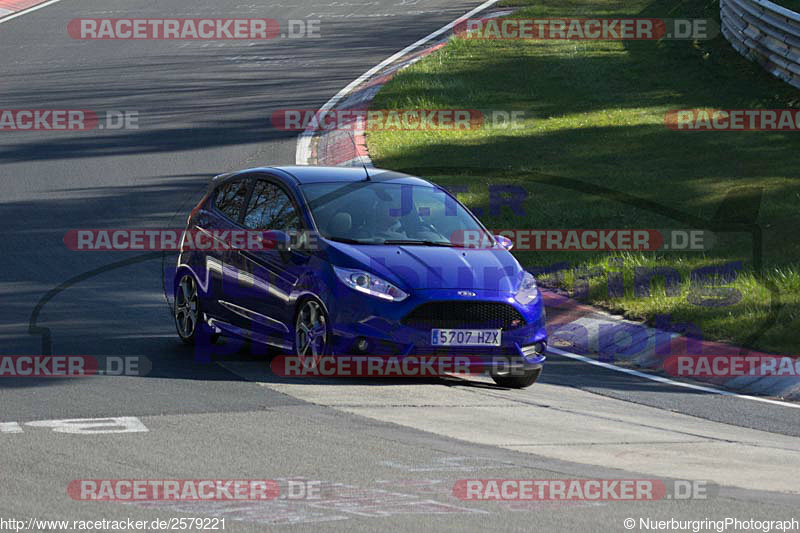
{"x": 230, "y": 202}
{"x": 272, "y": 273}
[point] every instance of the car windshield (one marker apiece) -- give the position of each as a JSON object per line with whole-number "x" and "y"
{"x": 370, "y": 212}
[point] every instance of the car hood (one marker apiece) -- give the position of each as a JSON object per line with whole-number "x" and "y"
{"x": 433, "y": 267}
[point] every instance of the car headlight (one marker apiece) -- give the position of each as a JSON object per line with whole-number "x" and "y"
{"x": 528, "y": 291}
{"x": 369, "y": 284}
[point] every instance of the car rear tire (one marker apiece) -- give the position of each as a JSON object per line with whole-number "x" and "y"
{"x": 518, "y": 381}
{"x": 188, "y": 314}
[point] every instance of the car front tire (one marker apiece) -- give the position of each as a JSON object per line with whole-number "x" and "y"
{"x": 312, "y": 330}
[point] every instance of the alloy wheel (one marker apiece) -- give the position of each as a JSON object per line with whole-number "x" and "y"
{"x": 186, "y": 309}
{"x": 311, "y": 330}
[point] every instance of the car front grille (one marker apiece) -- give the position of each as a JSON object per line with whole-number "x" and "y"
{"x": 464, "y": 315}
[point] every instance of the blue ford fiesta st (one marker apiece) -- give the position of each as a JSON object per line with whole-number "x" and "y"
{"x": 365, "y": 261}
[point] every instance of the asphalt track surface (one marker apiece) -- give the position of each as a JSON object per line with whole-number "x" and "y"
{"x": 387, "y": 452}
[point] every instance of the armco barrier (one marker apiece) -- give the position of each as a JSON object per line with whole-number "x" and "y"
{"x": 766, "y": 33}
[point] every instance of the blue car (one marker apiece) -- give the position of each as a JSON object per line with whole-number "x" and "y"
{"x": 364, "y": 261}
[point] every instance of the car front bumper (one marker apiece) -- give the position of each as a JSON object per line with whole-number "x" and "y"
{"x": 365, "y": 325}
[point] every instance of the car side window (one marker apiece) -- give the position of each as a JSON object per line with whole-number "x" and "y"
{"x": 230, "y": 199}
{"x": 270, "y": 209}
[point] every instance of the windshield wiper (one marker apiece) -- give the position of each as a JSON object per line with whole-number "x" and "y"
{"x": 419, "y": 243}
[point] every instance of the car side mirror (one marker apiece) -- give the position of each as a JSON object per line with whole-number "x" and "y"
{"x": 505, "y": 242}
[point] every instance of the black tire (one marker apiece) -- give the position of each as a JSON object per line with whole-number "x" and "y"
{"x": 516, "y": 380}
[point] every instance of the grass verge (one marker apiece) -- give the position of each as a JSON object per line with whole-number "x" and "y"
{"x": 593, "y": 152}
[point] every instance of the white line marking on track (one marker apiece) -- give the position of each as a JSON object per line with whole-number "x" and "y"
{"x": 28, "y": 10}
{"x": 93, "y": 426}
{"x": 303, "y": 152}
{"x": 667, "y": 381}
{"x": 10, "y": 427}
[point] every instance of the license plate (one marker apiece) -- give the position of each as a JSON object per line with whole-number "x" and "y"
{"x": 465, "y": 337}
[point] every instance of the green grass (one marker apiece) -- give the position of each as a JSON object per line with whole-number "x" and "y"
{"x": 593, "y": 152}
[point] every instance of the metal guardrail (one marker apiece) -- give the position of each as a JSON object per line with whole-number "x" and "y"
{"x": 766, "y": 33}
